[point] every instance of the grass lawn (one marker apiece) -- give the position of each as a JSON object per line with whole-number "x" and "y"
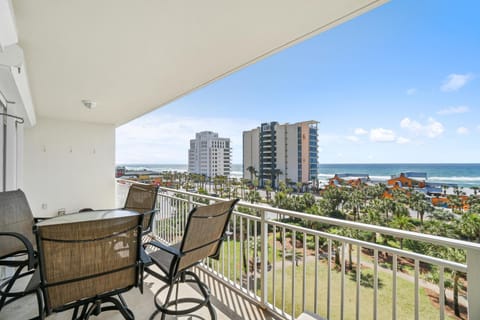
{"x": 405, "y": 288}
{"x": 405, "y": 294}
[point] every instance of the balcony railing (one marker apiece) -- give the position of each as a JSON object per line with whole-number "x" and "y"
{"x": 290, "y": 269}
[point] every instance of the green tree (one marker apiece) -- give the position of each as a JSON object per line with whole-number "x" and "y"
{"x": 253, "y": 172}
{"x": 276, "y": 174}
{"x": 402, "y": 223}
{"x": 468, "y": 226}
{"x": 268, "y": 189}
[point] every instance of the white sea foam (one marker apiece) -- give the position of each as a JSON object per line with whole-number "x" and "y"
{"x": 472, "y": 179}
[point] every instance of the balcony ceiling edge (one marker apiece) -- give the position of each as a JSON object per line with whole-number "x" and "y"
{"x": 131, "y": 58}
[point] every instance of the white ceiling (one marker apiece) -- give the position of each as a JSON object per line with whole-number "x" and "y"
{"x": 132, "y": 57}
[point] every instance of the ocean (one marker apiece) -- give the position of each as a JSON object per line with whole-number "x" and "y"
{"x": 461, "y": 174}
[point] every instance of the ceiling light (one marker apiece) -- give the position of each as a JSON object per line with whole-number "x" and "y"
{"x": 89, "y": 104}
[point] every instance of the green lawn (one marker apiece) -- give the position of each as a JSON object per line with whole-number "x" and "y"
{"x": 405, "y": 289}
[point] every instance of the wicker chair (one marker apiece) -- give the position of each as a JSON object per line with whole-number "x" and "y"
{"x": 16, "y": 250}
{"x": 88, "y": 264}
{"x": 142, "y": 198}
{"x": 203, "y": 236}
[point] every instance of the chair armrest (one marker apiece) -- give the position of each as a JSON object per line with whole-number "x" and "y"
{"x": 145, "y": 258}
{"x": 26, "y": 243}
{"x": 161, "y": 246}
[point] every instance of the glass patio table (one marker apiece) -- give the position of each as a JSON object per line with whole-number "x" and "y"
{"x": 87, "y": 216}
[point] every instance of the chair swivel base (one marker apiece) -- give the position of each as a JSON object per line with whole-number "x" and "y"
{"x": 166, "y": 307}
{"x": 96, "y": 307}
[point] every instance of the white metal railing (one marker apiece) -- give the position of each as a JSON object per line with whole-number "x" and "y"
{"x": 290, "y": 269}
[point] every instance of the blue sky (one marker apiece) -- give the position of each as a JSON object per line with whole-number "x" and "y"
{"x": 398, "y": 84}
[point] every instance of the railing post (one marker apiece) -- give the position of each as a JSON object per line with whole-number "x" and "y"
{"x": 190, "y": 203}
{"x": 473, "y": 278}
{"x": 264, "y": 258}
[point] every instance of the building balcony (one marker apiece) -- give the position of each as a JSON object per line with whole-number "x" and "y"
{"x": 368, "y": 280}
{"x": 271, "y": 268}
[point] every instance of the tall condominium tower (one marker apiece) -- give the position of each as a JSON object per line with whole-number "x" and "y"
{"x": 281, "y": 152}
{"x": 209, "y": 155}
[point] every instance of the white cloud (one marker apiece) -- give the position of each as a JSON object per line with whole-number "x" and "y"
{"x": 411, "y": 91}
{"x": 402, "y": 140}
{"x": 434, "y": 128}
{"x": 462, "y": 130}
{"x": 455, "y": 81}
{"x": 352, "y": 138}
{"x": 414, "y": 126}
{"x": 382, "y": 135}
{"x": 360, "y": 131}
{"x": 431, "y": 129}
{"x": 166, "y": 138}
{"x": 454, "y": 110}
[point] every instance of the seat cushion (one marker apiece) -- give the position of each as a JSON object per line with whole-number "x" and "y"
{"x": 163, "y": 259}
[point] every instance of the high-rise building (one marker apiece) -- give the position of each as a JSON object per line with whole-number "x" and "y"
{"x": 281, "y": 152}
{"x": 209, "y": 155}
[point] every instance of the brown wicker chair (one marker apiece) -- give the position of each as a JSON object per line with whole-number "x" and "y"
{"x": 16, "y": 250}
{"x": 87, "y": 264}
{"x": 142, "y": 198}
{"x": 203, "y": 236}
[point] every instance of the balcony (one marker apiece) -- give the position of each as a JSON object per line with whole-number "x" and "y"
{"x": 333, "y": 275}
{"x": 263, "y": 273}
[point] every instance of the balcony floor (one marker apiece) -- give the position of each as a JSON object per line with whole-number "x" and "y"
{"x": 227, "y": 302}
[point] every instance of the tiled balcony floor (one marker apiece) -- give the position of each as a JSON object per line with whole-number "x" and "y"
{"x": 228, "y": 304}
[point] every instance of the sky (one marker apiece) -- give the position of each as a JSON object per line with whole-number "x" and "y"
{"x": 399, "y": 84}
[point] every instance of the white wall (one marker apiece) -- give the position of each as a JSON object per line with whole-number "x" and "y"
{"x": 12, "y": 149}
{"x": 69, "y": 164}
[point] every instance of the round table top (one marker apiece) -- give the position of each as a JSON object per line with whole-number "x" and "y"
{"x": 88, "y": 216}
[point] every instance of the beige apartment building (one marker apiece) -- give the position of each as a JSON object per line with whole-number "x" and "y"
{"x": 281, "y": 152}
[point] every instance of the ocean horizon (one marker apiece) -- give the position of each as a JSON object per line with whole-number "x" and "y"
{"x": 462, "y": 174}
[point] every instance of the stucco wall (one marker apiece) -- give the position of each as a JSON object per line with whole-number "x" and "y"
{"x": 69, "y": 165}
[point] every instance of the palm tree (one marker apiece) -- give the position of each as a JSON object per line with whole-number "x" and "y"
{"x": 253, "y": 172}
{"x": 445, "y": 188}
{"x": 354, "y": 202}
{"x": 253, "y": 196}
{"x": 276, "y": 173}
{"x": 268, "y": 188}
{"x": 469, "y": 226}
{"x": 402, "y": 223}
{"x": 299, "y": 187}
{"x": 243, "y": 186}
{"x": 424, "y": 207}
{"x": 455, "y": 203}
{"x": 475, "y": 189}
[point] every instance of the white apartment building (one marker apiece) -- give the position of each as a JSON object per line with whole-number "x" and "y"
{"x": 209, "y": 155}
{"x": 281, "y": 152}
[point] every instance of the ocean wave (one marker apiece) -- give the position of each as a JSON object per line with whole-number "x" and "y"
{"x": 473, "y": 179}
{"x": 323, "y": 176}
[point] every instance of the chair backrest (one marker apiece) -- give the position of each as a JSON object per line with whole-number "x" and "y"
{"x": 82, "y": 260}
{"x": 204, "y": 232}
{"x": 15, "y": 216}
{"x": 142, "y": 198}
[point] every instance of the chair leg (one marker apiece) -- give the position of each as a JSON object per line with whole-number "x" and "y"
{"x": 39, "y": 295}
{"x": 5, "y": 293}
{"x": 7, "y": 286}
{"x": 166, "y": 303}
{"x": 205, "y": 292}
{"x": 164, "y": 308}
